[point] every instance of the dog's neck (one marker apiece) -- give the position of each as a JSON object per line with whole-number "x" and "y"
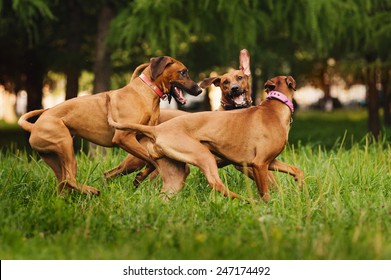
{"x": 152, "y": 85}
{"x": 284, "y": 99}
{"x": 274, "y": 94}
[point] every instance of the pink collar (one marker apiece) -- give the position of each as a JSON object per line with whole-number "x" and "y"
{"x": 154, "y": 87}
{"x": 282, "y": 97}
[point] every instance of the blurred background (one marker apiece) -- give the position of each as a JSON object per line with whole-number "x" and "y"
{"x": 338, "y": 52}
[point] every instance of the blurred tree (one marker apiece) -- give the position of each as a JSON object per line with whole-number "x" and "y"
{"x": 73, "y": 39}
{"x": 202, "y": 33}
{"x": 365, "y": 46}
{"x": 102, "y": 63}
{"x": 22, "y": 57}
{"x": 283, "y": 37}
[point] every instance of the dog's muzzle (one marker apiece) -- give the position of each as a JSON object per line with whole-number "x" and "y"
{"x": 178, "y": 92}
{"x": 238, "y": 97}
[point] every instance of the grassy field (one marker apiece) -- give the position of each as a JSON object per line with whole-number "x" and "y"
{"x": 342, "y": 212}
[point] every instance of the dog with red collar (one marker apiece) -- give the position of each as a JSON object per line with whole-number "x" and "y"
{"x": 236, "y": 94}
{"x": 86, "y": 117}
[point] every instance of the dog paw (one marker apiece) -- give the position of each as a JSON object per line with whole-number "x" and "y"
{"x": 90, "y": 190}
{"x": 266, "y": 197}
{"x": 299, "y": 178}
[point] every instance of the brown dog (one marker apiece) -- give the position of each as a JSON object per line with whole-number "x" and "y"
{"x": 199, "y": 136}
{"x": 236, "y": 94}
{"x": 137, "y": 102}
{"x": 235, "y": 85}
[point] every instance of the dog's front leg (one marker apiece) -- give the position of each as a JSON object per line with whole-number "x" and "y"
{"x": 128, "y": 141}
{"x": 129, "y": 165}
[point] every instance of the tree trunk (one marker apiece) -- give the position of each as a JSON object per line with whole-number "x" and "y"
{"x": 31, "y": 81}
{"x": 74, "y": 41}
{"x": 72, "y": 87}
{"x": 386, "y": 73}
{"x": 327, "y": 103}
{"x": 373, "y": 103}
{"x": 102, "y": 66}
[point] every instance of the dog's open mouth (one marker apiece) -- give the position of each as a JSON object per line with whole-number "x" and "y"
{"x": 178, "y": 94}
{"x": 239, "y": 100}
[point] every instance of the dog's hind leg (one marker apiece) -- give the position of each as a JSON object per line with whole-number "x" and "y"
{"x": 53, "y": 161}
{"x": 65, "y": 170}
{"x": 55, "y": 146}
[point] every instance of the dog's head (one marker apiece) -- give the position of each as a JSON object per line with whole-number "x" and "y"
{"x": 172, "y": 77}
{"x": 234, "y": 85}
{"x": 284, "y": 84}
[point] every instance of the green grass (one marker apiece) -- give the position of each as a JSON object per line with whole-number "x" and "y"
{"x": 329, "y": 128}
{"x": 342, "y": 212}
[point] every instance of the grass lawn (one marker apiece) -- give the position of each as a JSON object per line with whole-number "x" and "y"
{"x": 342, "y": 212}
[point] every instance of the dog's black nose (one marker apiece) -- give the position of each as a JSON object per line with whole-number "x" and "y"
{"x": 235, "y": 88}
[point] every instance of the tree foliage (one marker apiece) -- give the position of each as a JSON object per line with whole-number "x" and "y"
{"x": 283, "y": 37}
{"x": 27, "y": 13}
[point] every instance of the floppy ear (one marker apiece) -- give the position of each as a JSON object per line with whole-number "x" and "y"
{"x": 244, "y": 62}
{"x": 269, "y": 85}
{"x": 158, "y": 64}
{"x": 291, "y": 82}
{"x": 208, "y": 81}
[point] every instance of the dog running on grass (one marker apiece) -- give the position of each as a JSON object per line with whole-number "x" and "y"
{"x": 137, "y": 102}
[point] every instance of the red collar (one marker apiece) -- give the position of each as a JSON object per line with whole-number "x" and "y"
{"x": 154, "y": 87}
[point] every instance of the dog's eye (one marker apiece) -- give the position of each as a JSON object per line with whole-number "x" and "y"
{"x": 240, "y": 78}
{"x": 226, "y": 82}
{"x": 183, "y": 73}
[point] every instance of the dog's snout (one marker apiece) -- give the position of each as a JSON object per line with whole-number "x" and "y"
{"x": 197, "y": 90}
{"x": 235, "y": 88}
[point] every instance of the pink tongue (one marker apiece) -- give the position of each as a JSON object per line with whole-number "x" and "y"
{"x": 179, "y": 95}
{"x": 239, "y": 99}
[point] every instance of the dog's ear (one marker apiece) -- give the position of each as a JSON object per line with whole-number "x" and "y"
{"x": 208, "y": 81}
{"x": 269, "y": 85}
{"x": 244, "y": 62}
{"x": 158, "y": 64}
{"x": 291, "y": 82}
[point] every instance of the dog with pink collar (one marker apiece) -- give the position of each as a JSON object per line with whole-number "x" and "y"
{"x": 251, "y": 137}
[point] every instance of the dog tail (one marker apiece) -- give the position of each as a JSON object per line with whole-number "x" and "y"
{"x": 136, "y": 71}
{"x": 144, "y": 129}
{"x": 23, "y": 121}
